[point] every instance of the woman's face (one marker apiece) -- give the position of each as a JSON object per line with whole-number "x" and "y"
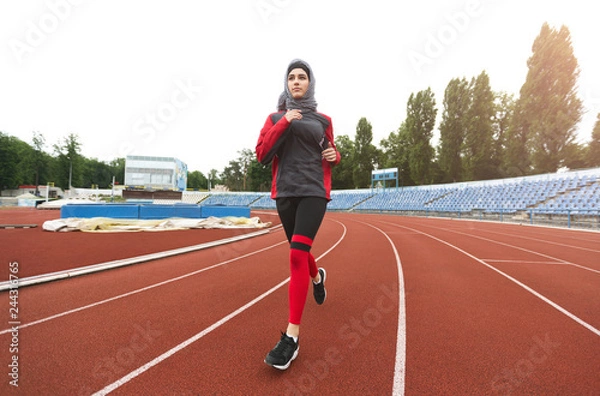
{"x": 297, "y": 83}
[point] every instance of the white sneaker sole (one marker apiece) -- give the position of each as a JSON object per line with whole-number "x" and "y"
{"x": 284, "y": 367}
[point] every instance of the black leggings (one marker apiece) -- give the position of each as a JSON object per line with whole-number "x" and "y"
{"x": 301, "y": 216}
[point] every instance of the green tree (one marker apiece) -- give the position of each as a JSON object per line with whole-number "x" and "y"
{"x": 548, "y": 100}
{"x": 259, "y": 176}
{"x": 341, "y": 174}
{"x": 575, "y": 157}
{"x": 517, "y": 159}
{"x": 235, "y": 175}
{"x": 395, "y": 154}
{"x": 18, "y": 162}
{"x": 420, "y": 120}
{"x": 232, "y": 176}
{"x": 364, "y": 154}
{"x": 457, "y": 100}
{"x": 392, "y": 151}
{"x": 33, "y": 162}
{"x": 477, "y": 145}
{"x": 213, "y": 179}
{"x": 593, "y": 148}
{"x": 40, "y": 159}
{"x": 404, "y": 164}
{"x": 117, "y": 168}
{"x": 196, "y": 181}
{"x": 9, "y": 158}
{"x": 69, "y": 162}
{"x": 504, "y": 108}
{"x": 25, "y": 172}
{"x": 95, "y": 173}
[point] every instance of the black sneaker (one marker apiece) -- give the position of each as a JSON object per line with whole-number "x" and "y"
{"x": 319, "y": 288}
{"x": 284, "y": 352}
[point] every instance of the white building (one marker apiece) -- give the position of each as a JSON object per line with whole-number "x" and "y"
{"x": 155, "y": 173}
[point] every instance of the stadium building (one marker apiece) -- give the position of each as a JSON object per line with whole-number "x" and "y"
{"x": 155, "y": 173}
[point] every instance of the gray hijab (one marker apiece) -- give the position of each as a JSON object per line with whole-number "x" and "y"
{"x": 305, "y": 103}
{"x": 281, "y": 102}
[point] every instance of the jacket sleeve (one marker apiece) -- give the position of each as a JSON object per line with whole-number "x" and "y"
{"x": 270, "y": 139}
{"x": 329, "y": 136}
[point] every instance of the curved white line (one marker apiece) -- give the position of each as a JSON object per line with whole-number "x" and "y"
{"x": 400, "y": 365}
{"x": 517, "y": 282}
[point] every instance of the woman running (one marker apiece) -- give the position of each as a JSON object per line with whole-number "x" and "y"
{"x": 298, "y": 143}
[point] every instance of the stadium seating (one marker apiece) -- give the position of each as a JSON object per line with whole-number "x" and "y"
{"x": 569, "y": 193}
{"x": 231, "y": 199}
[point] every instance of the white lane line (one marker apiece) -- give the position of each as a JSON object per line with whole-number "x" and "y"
{"x": 524, "y": 250}
{"x": 89, "y": 269}
{"x": 546, "y": 241}
{"x": 122, "y": 381}
{"x": 523, "y": 262}
{"x": 400, "y": 365}
{"x": 143, "y": 289}
{"x": 517, "y": 282}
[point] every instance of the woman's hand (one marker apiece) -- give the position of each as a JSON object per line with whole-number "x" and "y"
{"x": 293, "y": 114}
{"x": 329, "y": 153}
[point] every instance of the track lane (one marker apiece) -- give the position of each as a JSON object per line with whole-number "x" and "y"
{"x": 201, "y": 346}
{"x": 81, "y": 339}
{"x": 125, "y": 316}
{"x": 462, "y": 321}
{"x": 561, "y": 245}
{"x": 503, "y": 327}
{"x": 565, "y": 276}
{"x": 42, "y": 252}
{"x": 61, "y": 297}
{"x": 347, "y": 326}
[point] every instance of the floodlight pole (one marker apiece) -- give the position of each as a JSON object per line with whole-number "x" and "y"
{"x": 70, "y": 176}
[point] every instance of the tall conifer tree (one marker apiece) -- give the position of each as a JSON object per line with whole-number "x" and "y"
{"x": 548, "y": 108}
{"x": 457, "y": 100}
{"x": 420, "y": 120}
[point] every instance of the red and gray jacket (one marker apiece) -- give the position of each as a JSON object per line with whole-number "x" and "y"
{"x": 294, "y": 149}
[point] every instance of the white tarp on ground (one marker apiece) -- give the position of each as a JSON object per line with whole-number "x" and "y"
{"x": 103, "y": 224}
{"x": 58, "y": 203}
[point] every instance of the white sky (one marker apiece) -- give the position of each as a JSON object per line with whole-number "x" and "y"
{"x": 196, "y": 79}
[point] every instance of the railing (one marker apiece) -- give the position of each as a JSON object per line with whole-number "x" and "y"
{"x": 581, "y": 219}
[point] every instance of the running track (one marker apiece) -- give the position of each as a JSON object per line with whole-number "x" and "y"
{"x": 415, "y": 306}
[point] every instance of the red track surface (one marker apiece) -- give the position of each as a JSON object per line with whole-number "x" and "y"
{"x": 463, "y": 308}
